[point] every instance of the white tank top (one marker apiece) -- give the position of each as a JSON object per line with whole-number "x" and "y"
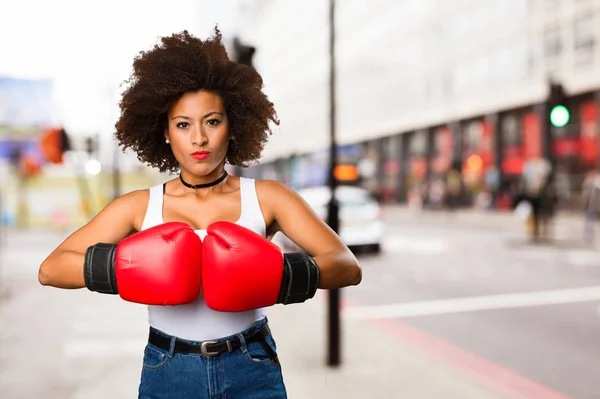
{"x": 196, "y": 321}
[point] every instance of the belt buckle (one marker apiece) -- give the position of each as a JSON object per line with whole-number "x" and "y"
{"x": 205, "y": 352}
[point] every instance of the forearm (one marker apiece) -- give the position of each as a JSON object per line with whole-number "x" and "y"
{"x": 63, "y": 269}
{"x": 338, "y": 269}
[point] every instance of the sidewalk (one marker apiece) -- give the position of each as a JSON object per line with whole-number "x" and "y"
{"x": 471, "y": 216}
{"x": 374, "y": 364}
{"x": 53, "y": 346}
{"x": 567, "y": 227}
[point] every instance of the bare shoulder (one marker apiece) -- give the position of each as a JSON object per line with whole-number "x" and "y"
{"x": 133, "y": 197}
{"x": 274, "y": 193}
{"x": 272, "y": 187}
{"x": 133, "y": 202}
{"x": 279, "y": 198}
{"x": 136, "y": 203}
{"x": 296, "y": 218}
{"x": 120, "y": 218}
{"x": 273, "y": 197}
{"x": 128, "y": 209}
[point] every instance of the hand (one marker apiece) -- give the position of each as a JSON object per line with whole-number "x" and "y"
{"x": 242, "y": 270}
{"x": 157, "y": 266}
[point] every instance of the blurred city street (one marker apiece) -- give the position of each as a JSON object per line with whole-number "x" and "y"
{"x": 453, "y": 307}
{"x": 462, "y": 139}
{"x": 474, "y": 281}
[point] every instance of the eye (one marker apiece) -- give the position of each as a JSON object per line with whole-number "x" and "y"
{"x": 182, "y": 125}
{"x": 213, "y": 122}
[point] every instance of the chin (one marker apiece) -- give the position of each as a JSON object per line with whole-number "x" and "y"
{"x": 201, "y": 169}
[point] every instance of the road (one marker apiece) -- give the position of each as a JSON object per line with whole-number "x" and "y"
{"x": 532, "y": 310}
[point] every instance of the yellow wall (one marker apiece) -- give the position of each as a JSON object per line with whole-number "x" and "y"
{"x": 61, "y": 202}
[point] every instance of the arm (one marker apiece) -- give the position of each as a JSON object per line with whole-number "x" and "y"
{"x": 63, "y": 268}
{"x": 338, "y": 267}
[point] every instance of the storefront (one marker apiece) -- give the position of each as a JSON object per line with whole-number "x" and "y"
{"x": 478, "y": 170}
{"x": 390, "y": 169}
{"x": 575, "y": 150}
{"x": 416, "y": 178}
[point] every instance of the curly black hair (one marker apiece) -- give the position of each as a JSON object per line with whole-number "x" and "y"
{"x": 179, "y": 64}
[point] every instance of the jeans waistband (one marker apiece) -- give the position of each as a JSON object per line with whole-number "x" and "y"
{"x": 258, "y": 331}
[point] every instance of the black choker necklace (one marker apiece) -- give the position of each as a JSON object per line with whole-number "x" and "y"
{"x": 212, "y": 183}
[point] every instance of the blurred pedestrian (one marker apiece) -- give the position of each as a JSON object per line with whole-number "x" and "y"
{"x": 453, "y": 188}
{"x": 548, "y": 201}
{"x": 209, "y": 273}
{"x": 437, "y": 192}
{"x": 591, "y": 204}
{"x": 524, "y": 194}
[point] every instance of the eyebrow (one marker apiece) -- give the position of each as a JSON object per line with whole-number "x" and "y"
{"x": 205, "y": 116}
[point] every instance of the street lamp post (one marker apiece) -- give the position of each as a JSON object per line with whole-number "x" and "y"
{"x": 333, "y": 356}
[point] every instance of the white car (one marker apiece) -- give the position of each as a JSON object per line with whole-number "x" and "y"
{"x": 361, "y": 224}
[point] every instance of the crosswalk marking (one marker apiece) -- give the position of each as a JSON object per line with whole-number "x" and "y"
{"x": 477, "y": 303}
{"x": 415, "y": 245}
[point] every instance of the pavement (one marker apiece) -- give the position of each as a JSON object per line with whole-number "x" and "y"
{"x": 566, "y": 227}
{"x": 470, "y": 216}
{"x": 53, "y": 346}
{"x": 526, "y": 316}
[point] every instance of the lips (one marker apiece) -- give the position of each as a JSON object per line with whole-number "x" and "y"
{"x": 200, "y": 154}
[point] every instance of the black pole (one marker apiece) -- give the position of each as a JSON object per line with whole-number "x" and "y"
{"x": 333, "y": 358}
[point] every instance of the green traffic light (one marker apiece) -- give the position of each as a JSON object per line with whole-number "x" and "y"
{"x": 559, "y": 116}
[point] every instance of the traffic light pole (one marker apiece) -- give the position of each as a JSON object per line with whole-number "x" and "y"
{"x": 244, "y": 55}
{"x": 333, "y": 355}
{"x": 543, "y": 109}
{"x": 555, "y": 117}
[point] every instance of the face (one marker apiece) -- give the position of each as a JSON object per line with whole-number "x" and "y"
{"x": 198, "y": 131}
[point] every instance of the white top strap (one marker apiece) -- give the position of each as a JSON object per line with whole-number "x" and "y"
{"x": 251, "y": 213}
{"x": 155, "y": 207}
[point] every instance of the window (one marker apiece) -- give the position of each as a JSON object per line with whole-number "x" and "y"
{"x": 552, "y": 42}
{"x": 418, "y": 143}
{"x": 446, "y": 83}
{"x": 583, "y": 34}
{"x": 583, "y": 40}
{"x": 473, "y": 133}
{"x": 511, "y": 132}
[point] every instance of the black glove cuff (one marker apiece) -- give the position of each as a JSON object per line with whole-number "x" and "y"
{"x": 300, "y": 278}
{"x": 99, "y": 268}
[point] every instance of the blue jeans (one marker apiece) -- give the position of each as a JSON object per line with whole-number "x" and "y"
{"x": 248, "y": 372}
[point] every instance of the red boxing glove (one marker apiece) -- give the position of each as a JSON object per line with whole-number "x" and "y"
{"x": 157, "y": 266}
{"x": 241, "y": 271}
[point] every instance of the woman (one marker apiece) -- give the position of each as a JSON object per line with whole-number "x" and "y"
{"x": 188, "y": 109}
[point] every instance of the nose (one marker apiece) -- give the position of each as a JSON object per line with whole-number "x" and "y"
{"x": 198, "y": 136}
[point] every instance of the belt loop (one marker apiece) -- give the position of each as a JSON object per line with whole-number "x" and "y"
{"x": 172, "y": 346}
{"x": 243, "y": 345}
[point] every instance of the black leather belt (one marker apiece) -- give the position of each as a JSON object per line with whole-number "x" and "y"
{"x": 207, "y": 348}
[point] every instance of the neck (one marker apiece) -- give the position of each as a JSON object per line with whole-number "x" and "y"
{"x": 198, "y": 182}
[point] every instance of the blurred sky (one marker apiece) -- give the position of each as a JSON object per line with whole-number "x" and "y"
{"x": 87, "y": 47}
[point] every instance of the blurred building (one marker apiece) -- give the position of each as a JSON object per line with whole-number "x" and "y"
{"x": 38, "y": 192}
{"x": 427, "y": 87}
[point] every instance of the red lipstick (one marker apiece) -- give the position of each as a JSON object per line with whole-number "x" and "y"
{"x": 200, "y": 155}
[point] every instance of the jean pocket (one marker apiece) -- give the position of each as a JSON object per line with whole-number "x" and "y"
{"x": 155, "y": 358}
{"x": 262, "y": 352}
